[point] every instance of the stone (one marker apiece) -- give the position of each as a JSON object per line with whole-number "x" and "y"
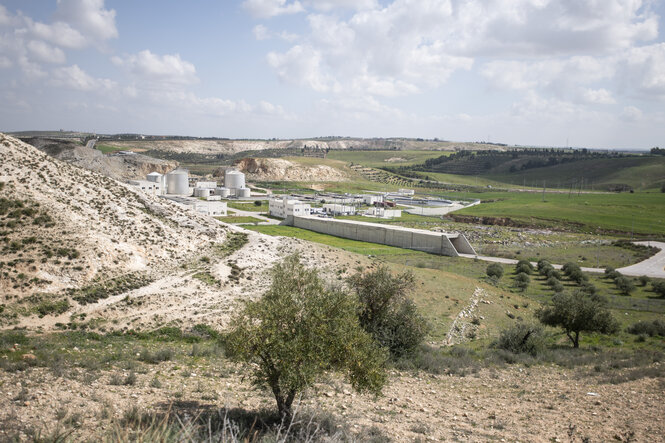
{"x": 29, "y": 357}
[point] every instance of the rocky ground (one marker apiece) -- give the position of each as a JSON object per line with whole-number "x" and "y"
{"x": 516, "y": 403}
{"x": 269, "y": 169}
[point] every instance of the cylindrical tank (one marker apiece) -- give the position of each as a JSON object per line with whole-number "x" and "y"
{"x": 202, "y": 192}
{"x": 177, "y": 182}
{"x": 224, "y": 192}
{"x": 234, "y": 179}
{"x": 243, "y": 192}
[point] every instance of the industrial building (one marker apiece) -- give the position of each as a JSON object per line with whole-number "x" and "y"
{"x": 383, "y": 212}
{"x": 177, "y": 182}
{"x": 149, "y": 187}
{"x": 285, "y": 206}
{"x": 337, "y": 209}
{"x": 205, "y": 207}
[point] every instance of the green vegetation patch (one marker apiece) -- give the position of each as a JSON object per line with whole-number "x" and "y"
{"x": 234, "y": 242}
{"x": 239, "y": 219}
{"x": 107, "y": 288}
{"x": 358, "y": 247}
{"x": 249, "y": 206}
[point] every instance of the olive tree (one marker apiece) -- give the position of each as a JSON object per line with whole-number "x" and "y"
{"x": 299, "y": 329}
{"x": 576, "y": 313}
{"x": 387, "y": 312}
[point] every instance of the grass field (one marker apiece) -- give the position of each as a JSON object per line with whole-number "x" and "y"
{"x": 375, "y": 159}
{"x": 642, "y": 213}
{"x": 106, "y": 149}
{"x": 239, "y": 219}
{"x": 249, "y": 206}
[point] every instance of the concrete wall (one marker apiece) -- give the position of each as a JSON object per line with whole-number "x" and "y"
{"x": 419, "y": 240}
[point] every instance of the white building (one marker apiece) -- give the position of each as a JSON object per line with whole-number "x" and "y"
{"x": 383, "y": 212}
{"x": 210, "y": 207}
{"x": 206, "y": 185}
{"x": 370, "y": 199}
{"x": 283, "y": 207}
{"x": 335, "y": 209}
{"x": 406, "y": 192}
{"x": 149, "y": 187}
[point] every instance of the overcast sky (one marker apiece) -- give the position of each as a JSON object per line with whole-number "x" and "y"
{"x": 535, "y": 72}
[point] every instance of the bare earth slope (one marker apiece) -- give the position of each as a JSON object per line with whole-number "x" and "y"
{"x": 78, "y": 240}
{"x": 267, "y": 169}
{"x": 135, "y": 166}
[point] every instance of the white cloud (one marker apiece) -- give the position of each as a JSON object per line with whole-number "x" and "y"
{"x": 301, "y": 65}
{"x": 643, "y": 71}
{"x": 598, "y": 96}
{"x": 76, "y": 78}
{"x": 59, "y": 33}
{"x": 329, "y": 5}
{"x": 5, "y": 62}
{"x": 168, "y": 68}
{"x": 45, "y": 52}
{"x": 631, "y": 114}
{"x": 271, "y": 8}
{"x": 261, "y": 32}
{"x": 88, "y": 16}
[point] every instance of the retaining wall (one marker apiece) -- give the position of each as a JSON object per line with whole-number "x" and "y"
{"x": 417, "y": 239}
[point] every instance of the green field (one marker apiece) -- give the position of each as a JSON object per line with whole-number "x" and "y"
{"x": 376, "y": 159}
{"x": 641, "y": 213}
{"x": 249, "y": 206}
{"x": 637, "y": 172}
{"x": 237, "y": 219}
{"x": 106, "y": 149}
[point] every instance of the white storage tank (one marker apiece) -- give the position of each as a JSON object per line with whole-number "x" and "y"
{"x": 202, "y": 192}
{"x": 224, "y": 192}
{"x": 243, "y": 192}
{"x": 155, "y": 177}
{"x": 234, "y": 179}
{"x": 177, "y": 182}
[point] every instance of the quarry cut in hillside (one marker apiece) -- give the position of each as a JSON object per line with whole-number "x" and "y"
{"x": 120, "y": 167}
{"x": 273, "y": 169}
{"x": 75, "y": 244}
{"x": 63, "y": 226}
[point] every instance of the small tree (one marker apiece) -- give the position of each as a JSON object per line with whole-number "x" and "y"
{"x": 524, "y": 266}
{"x": 570, "y": 267}
{"x": 521, "y": 338}
{"x": 299, "y": 329}
{"x": 258, "y": 202}
{"x": 659, "y": 288}
{"x": 624, "y": 284}
{"x": 522, "y": 281}
{"x": 494, "y": 271}
{"x": 578, "y": 313}
{"x": 386, "y": 311}
{"x": 644, "y": 280}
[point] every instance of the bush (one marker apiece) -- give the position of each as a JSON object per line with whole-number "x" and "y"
{"x": 555, "y": 284}
{"x": 257, "y": 202}
{"x": 521, "y": 338}
{"x": 659, "y": 288}
{"x": 522, "y": 281}
{"x": 652, "y": 329}
{"x": 386, "y": 311}
{"x": 609, "y": 270}
{"x": 569, "y": 268}
{"x": 613, "y": 275}
{"x": 542, "y": 263}
{"x": 644, "y": 280}
{"x": 578, "y": 276}
{"x": 588, "y": 288}
{"x": 300, "y": 329}
{"x": 494, "y": 270}
{"x": 524, "y": 266}
{"x": 625, "y": 285}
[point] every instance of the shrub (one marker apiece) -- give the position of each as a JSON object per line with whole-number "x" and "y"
{"x": 542, "y": 263}
{"x": 613, "y": 275}
{"x": 578, "y": 313}
{"x": 386, "y": 311}
{"x": 588, "y": 288}
{"x": 659, "y": 288}
{"x": 625, "y": 285}
{"x": 522, "y": 281}
{"x": 653, "y": 328}
{"x": 609, "y": 270}
{"x": 569, "y": 267}
{"x": 521, "y": 338}
{"x": 644, "y": 280}
{"x": 524, "y": 266}
{"x": 494, "y": 270}
{"x": 257, "y": 202}
{"x": 298, "y": 330}
{"x": 551, "y": 272}
{"x": 578, "y": 276}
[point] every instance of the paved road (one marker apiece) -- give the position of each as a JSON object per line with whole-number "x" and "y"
{"x": 651, "y": 267}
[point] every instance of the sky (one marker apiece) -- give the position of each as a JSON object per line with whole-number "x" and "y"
{"x": 583, "y": 73}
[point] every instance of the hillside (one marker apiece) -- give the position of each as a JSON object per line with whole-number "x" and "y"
{"x": 120, "y": 167}
{"x": 274, "y": 169}
{"x": 77, "y": 242}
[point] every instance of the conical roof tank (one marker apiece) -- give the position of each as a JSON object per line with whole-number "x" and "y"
{"x": 234, "y": 179}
